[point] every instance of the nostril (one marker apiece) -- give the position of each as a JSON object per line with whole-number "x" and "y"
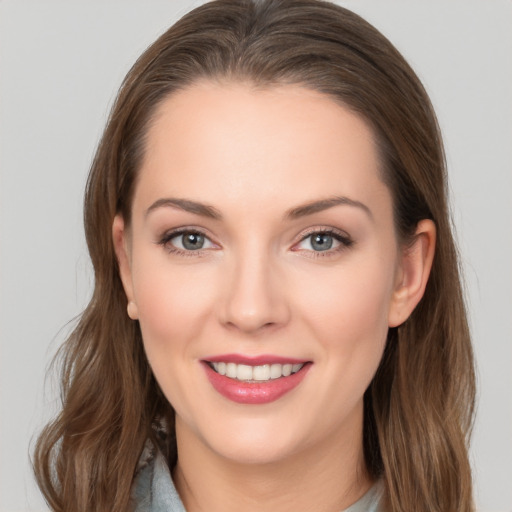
{"x": 254, "y": 300}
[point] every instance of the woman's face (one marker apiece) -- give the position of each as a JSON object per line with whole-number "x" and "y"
{"x": 262, "y": 243}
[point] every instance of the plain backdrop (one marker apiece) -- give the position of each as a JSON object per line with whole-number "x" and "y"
{"x": 61, "y": 63}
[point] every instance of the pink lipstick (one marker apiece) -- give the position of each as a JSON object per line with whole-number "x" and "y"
{"x": 254, "y": 380}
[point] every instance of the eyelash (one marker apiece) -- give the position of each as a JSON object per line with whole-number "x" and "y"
{"x": 341, "y": 237}
{"x": 171, "y": 249}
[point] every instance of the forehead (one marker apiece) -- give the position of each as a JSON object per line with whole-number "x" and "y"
{"x": 229, "y": 142}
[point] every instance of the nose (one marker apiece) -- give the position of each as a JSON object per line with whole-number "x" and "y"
{"x": 255, "y": 298}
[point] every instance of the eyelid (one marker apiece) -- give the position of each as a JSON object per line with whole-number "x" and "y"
{"x": 165, "y": 238}
{"x": 344, "y": 239}
{"x": 323, "y": 229}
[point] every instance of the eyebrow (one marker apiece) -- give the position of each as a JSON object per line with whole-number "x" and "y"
{"x": 325, "y": 204}
{"x": 186, "y": 205}
{"x": 211, "y": 212}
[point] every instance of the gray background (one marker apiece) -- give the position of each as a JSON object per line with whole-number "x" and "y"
{"x": 60, "y": 66}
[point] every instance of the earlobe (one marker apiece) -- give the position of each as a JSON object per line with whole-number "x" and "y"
{"x": 132, "y": 310}
{"x": 416, "y": 263}
{"x": 121, "y": 247}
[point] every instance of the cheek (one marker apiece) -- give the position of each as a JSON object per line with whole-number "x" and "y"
{"x": 172, "y": 303}
{"x": 173, "y": 306}
{"x": 360, "y": 292}
{"x": 348, "y": 310}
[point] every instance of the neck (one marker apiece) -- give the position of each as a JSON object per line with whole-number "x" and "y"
{"x": 326, "y": 478}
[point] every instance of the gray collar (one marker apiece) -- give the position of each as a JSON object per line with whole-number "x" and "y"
{"x": 154, "y": 491}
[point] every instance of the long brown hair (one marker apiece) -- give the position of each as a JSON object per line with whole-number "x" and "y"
{"x": 419, "y": 406}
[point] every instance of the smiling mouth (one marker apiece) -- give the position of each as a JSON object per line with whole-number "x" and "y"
{"x": 257, "y": 373}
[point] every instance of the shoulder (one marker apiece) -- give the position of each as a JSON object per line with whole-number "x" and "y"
{"x": 153, "y": 489}
{"x": 372, "y": 501}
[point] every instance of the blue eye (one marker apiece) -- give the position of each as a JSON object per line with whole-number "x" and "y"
{"x": 187, "y": 241}
{"x": 191, "y": 241}
{"x": 323, "y": 241}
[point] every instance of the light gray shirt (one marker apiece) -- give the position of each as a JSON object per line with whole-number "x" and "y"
{"x": 154, "y": 490}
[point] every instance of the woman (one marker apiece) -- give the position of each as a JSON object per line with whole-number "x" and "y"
{"x": 277, "y": 320}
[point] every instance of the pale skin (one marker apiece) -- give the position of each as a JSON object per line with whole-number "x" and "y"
{"x": 236, "y": 167}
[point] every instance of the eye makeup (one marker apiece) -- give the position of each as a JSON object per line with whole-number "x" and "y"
{"x": 315, "y": 242}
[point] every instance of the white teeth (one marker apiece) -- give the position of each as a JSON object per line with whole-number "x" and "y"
{"x": 260, "y": 373}
{"x": 221, "y": 368}
{"x": 231, "y": 370}
{"x": 276, "y": 370}
{"x": 243, "y": 372}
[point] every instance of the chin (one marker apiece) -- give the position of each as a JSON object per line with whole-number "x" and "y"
{"x": 255, "y": 453}
{"x": 252, "y": 441}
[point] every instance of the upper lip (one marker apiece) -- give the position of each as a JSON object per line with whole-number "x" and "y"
{"x": 254, "y": 360}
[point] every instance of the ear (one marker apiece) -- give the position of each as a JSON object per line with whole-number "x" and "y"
{"x": 413, "y": 273}
{"x": 121, "y": 247}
